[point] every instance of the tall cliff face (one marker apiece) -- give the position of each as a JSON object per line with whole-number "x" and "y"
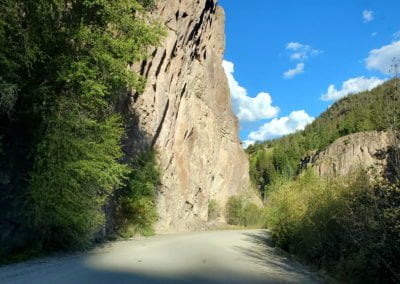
{"x": 185, "y": 113}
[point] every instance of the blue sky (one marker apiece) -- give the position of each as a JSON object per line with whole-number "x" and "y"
{"x": 282, "y": 56}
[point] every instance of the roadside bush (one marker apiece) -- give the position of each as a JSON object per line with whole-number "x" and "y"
{"x": 234, "y": 211}
{"x": 242, "y": 213}
{"x": 136, "y": 202}
{"x": 350, "y": 227}
{"x": 213, "y": 210}
{"x": 253, "y": 216}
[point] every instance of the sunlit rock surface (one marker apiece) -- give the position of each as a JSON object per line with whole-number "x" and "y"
{"x": 366, "y": 150}
{"x": 186, "y": 114}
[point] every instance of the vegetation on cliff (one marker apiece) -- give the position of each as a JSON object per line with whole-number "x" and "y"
{"x": 63, "y": 71}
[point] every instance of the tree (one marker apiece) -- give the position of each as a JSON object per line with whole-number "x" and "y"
{"x": 64, "y": 67}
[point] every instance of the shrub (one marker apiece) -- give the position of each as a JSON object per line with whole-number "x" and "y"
{"x": 234, "y": 211}
{"x": 253, "y": 216}
{"x": 242, "y": 213}
{"x": 350, "y": 226}
{"x": 135, "y": 203}
{"x": 213, "y": 210}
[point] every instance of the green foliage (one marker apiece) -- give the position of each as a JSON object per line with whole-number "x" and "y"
{"x": 262, "y": 168}
{"x": 135, "y": 202}
{"x": 235, "y": 210}
{"x": 63, "y": 68}
{"x": 13, "y": 55}
{"x": 8, "y": 98}
{"x": 213, "y": 210}
{"x": 371, "y": 110}
{"x": 349, "y": 227}
{"x": 243, "y": 213}
{"x": 76, "y": 169}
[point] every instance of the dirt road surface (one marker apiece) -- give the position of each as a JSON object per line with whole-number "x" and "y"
{"x": 205, "y": 257}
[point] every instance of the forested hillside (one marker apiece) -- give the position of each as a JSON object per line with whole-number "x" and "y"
{"x": 63, "y": 69}
{"x": 378, "y": 109}
{"x": 349, "y": 225}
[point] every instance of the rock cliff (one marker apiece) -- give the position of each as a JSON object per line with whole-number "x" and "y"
{"x": 185, "y": 113}
{"x": 369, "y": 150}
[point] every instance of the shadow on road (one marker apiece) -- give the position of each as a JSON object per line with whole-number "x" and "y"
{"x": 264, "y": 253}
{"x": 222, "y": 277}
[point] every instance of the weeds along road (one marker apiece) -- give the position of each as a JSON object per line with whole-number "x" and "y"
{"x": 206, "y": 257}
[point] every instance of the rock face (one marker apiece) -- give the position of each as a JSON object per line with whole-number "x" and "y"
{"x": 185, "y": 113}
{"x": 369, "y": 150}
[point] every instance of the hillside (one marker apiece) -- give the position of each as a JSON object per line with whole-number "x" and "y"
{"x": 377, "y": 109}
{"x": 321, "y": 205}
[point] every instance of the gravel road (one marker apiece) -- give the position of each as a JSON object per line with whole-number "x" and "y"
{"x": 205, "y": 257}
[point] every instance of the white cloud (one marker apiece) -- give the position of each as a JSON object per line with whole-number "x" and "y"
{"x": 297, "y": 120}
{"x": 247, "y": 143}
{"x": 293, "y": 72}
{"x": 245, "y": 107}
{"x": 396, "y": 35}
{"x": 294, "y": 45}
{"x": 351, "y": 86}
{"x": 301, "y": 51}
{"x": 382, "y": 58}
{"x": 368, "y": 16}
{"x": 374, "y": 34}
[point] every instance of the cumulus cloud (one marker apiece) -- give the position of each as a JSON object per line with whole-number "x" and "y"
{"x": 381, "y": 59}
{"x": 245, "y": 107}
{"x": 368, "y": 16}
{"x": 301, "y": 52}
{"x": 299, "y": 69}
{"x": 396, "y": 35}
{"x": 297, "y": 120}
{"x": 351, "y": 86}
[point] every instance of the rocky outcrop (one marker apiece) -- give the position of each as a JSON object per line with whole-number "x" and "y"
{"x": 185, "y": 113}
{"x": 368, "y": 150}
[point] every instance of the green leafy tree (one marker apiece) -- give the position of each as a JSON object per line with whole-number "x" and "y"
{"x": 64, "y": 66}
{"x": 76, "y": 169}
